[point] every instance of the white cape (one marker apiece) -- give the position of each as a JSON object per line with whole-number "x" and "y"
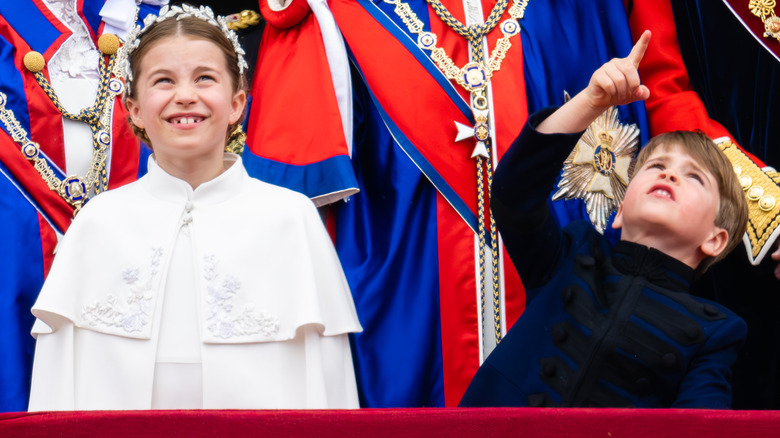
{"x": 275, "y": 306}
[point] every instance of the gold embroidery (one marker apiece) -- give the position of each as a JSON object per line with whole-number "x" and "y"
{"x": 243, "y": 19}
{"x": 761, "y": 191}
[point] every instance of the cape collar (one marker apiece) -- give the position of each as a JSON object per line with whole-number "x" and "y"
{"x": 169, "y": 188}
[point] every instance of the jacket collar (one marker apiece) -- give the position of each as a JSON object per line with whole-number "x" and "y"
{"x": 659, "y": 268}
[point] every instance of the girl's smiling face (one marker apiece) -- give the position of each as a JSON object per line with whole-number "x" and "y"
{"x": 185, "y": 101}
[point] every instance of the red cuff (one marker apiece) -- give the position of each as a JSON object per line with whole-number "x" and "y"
{"x": 287, "y": 17}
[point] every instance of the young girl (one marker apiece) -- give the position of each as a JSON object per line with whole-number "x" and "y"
{"x": 196, "y": 286}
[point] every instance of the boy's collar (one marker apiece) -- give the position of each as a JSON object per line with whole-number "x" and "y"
{"x": 661, "y": 269}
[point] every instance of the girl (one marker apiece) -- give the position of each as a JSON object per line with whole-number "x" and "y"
{"x": 196, "y": 286}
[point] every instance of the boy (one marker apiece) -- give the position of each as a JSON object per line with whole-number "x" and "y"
{"x": 615, "y": 326}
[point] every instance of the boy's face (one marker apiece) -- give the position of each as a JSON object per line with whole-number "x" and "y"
{"x": 671, "y": 205}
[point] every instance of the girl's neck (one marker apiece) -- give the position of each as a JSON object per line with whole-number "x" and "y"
{"x": 194, "y": 170}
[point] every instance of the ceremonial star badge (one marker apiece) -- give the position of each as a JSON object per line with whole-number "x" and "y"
{"x": 598, "y": 168}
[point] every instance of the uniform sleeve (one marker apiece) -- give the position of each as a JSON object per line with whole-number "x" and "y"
{"x": 673, "y": 103}
{"x": 524, "y": 178}
{"x": 299, "y": 126}
{"x": 707, "y": 384}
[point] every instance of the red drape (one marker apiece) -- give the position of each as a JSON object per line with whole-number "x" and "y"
{"x": 450, "y": 422}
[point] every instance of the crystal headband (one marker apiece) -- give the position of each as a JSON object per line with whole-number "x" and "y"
{"x": 167, "y": 12}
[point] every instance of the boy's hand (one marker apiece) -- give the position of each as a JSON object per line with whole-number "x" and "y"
{"x": 617, "y": 82}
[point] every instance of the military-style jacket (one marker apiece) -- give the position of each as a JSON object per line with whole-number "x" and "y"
{"x": 606, "y": 326}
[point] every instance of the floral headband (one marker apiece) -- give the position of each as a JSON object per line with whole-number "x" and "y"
{"x": 124, "y": 69}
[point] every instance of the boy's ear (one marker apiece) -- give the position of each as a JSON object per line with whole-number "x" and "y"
{"x": 618, "y": 221}
{"x": 716, "y": 242}
{"x": 135, "y": 112}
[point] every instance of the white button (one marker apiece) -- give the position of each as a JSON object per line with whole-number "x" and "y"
{"x": 188, "y": 206}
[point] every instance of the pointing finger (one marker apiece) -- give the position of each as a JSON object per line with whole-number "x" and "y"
{"x": 639, "y": 49}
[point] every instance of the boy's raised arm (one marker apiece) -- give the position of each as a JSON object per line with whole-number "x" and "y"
{"x": 615, "y": 83}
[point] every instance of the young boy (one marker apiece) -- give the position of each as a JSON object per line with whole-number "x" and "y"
{"x": 614, "y": 326}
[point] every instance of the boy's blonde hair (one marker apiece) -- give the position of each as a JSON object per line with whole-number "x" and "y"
{"x": 732, "y": 213}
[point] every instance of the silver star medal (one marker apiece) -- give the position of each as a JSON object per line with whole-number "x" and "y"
{"x": 598, "y": 168}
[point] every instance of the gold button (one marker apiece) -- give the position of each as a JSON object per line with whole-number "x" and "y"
{"x": 34, "y": 61}
{"x": 755, "y": 193}
{"x": 108, "y": 44}
{"x": 738, "y": 170}
{"x": 767, "y": 203}
{"x": 745, "y": 181}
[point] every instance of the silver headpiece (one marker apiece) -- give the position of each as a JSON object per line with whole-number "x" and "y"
{"x": 123, "y": 67}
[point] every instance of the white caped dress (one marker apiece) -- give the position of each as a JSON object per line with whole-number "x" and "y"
{"x": 229, "y": 296}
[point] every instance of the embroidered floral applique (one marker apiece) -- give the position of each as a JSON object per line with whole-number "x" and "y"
{"x": 223, "y": 321}
{"x": 131, "y": 309}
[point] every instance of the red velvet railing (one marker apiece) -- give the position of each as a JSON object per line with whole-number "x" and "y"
{"x": 450, "y": 422}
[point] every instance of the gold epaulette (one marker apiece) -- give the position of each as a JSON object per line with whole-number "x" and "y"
{"x": 762, "y": 194}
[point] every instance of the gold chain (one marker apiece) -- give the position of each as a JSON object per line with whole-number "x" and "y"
{"x": 29, "y": 148}
{"x": 474, "y": 77}
{"x": 73, "y": 189}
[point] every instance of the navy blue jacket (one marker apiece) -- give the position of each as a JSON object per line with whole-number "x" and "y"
{"x": 605, "y": 326}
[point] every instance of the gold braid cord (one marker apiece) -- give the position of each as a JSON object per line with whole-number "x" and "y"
{"x": 481, "y": 232}
{"x": 762, "y": 193}
{"x": 494, "y": 250}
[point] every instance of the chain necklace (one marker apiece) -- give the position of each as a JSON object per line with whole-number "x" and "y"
{"x": 73, "y": 189}
{"x": 765, "y": 10}
{"x": 474, "y": 77}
